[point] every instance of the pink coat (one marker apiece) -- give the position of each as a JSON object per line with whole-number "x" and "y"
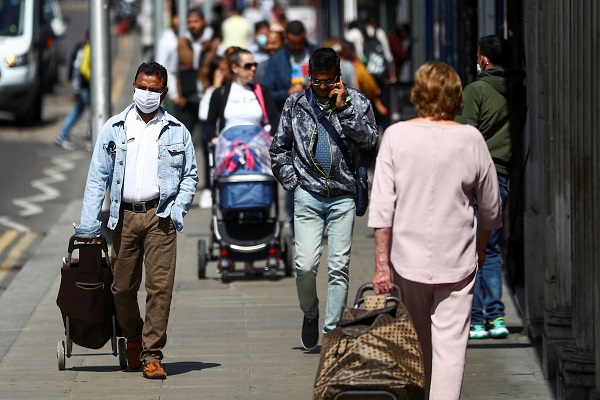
{"x": 426, "y": 177}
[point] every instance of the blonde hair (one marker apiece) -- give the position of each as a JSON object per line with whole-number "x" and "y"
{"x": 437, "y": 92}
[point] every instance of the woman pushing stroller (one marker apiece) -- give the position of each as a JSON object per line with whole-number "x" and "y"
{"x": 241, "y": 102}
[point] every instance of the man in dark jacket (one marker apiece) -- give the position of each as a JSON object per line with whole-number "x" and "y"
{"x": 307, "y": 161}
{"x": 496, "y": 105}
{"x": 284, "y": 76}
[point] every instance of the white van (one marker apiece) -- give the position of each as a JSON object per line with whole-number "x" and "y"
{"x": 28, "y": 57}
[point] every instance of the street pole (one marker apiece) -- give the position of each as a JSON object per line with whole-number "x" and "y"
{"x": 182, "y": 11}
{"x": 101, "y": 74}
{"x": 158, "y": 23}
{"x": 350, "y": 13}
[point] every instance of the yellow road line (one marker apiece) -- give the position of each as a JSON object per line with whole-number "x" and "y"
{"x": 6, "y": 238}
{"x": 16, "y": 253}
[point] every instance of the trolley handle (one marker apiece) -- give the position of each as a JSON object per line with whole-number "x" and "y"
{"x": 394, "y": 295}
{"x": 75, "y": 243}
{"x": 388, "y": 299}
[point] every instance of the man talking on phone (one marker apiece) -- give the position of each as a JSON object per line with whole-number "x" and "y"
{"x": 307, "y": 161}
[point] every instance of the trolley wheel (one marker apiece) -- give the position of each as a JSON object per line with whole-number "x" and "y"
{"x": 60, "y": 353}
{"x": 288, "y": 260}
{"x": 122, "y": 353}
{"x": 202, "y": 259}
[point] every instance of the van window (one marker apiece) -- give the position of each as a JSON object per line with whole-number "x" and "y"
{"x": 11, "y": 17}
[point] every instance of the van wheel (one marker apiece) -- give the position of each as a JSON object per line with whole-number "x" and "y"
{"x": 34, "y": 112}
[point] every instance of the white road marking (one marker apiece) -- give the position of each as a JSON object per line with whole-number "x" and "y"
{"x": 7, "y": 222}
{"x": 54, "y": 174}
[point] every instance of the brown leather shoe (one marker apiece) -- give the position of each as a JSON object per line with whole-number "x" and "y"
{"x": 153, "y": 370}
{"x": 134, "y": 351}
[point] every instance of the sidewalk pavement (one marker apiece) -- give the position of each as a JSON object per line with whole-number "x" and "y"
{"x": 226, "y": 341}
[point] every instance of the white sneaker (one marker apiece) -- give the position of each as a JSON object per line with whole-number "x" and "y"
{"x": 64, "y": 143}
{"x": 205, "y": 199}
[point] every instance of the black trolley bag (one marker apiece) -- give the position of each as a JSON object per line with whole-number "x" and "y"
{"x": 86, "y": 302}
{"x": 374, "y": 353}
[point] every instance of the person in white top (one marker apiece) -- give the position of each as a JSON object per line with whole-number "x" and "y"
{"x": 190, "y": 86}
{"x": 239, "y": 103}
{"x": 254, "y": 14}
{"x": 145, "y": 162}
{"x": 166, "y": 55}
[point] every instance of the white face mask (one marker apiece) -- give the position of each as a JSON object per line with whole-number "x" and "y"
{"x": 261, "y": 40}
{"x": 146, "y": 101}
{"x": 479, "y": 70}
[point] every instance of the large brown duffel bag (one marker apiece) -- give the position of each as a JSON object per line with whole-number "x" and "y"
{"x": 371, "y": 350}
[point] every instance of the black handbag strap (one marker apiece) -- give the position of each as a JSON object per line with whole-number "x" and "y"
{"x": 322, "y": 119}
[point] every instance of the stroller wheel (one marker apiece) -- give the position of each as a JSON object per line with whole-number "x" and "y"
{"x": 122, "y": 353}
{"x": 273, "y": 273}
{"x": 202, "y": 259}
{"x": 225, "y": 278}
{"x": 60, "y": 353}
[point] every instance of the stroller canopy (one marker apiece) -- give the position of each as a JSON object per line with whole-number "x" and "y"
{"x": 243, "y": 149}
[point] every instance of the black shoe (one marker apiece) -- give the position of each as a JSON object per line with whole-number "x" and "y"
{"x": 310, "y": 333}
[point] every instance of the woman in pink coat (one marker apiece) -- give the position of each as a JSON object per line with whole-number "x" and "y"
{"x": 428, "y": 241}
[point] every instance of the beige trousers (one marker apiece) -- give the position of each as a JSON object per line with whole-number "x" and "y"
{"x": 441, "y": 314}
{"x": 144, "y": 239}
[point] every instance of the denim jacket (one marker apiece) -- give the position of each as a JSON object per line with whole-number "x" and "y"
{"x": 177, "y": 174}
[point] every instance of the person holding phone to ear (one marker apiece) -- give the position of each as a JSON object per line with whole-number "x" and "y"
{"x": 286, "y": 74}
{"x": 308, "y": 163}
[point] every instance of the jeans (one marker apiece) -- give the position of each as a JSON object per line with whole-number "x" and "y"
{"x": 487, "y": 294}
{"x": 82, "y": 101}
{"x": 289, "y": 208}
{"x": 312, "y": 215}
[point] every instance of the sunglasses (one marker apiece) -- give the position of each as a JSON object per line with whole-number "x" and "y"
{"x": 327, "y": 82}
{"x": 248, "y": 66}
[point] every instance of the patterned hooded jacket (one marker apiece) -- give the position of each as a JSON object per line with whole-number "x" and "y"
{"x": 292, "y": 150}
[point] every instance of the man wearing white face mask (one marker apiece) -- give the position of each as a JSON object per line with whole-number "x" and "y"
{"x": 146, "y": 158}
{"x": 258, "y": 48}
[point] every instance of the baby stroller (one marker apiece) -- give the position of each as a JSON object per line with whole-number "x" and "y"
{"x": 245, "y": 223}
{"x": 86, "y": 302}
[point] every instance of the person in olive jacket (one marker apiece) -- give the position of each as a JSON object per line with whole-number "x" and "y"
{"x": 495, "y": 104}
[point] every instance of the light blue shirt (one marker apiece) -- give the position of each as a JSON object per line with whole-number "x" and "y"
{"x": 177, "y": 174}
